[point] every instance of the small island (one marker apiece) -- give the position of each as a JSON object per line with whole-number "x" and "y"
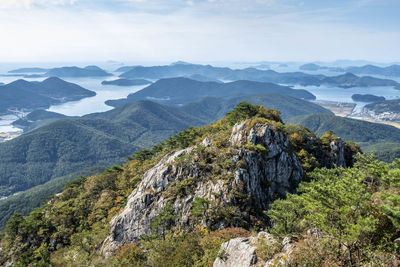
{"x": 126, "y": 82}
{"x": 310, "y": 66}
{"x": 367, "y": 98}
{"x": 76, "y": 72}
{"x": 29, "y": 70}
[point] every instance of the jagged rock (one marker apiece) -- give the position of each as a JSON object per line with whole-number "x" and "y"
{"x": 206, "y": 142}
{"x": 236, "y": 252}
{"x": 337, "y": 148}
{"x": 241, "y": 251}
{"x": 257, "y": 180}
{"x": 315, "y": 232}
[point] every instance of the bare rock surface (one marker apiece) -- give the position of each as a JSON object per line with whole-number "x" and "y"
{"x": 256, "y": 180}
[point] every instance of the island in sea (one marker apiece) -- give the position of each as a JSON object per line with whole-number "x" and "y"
{"x": 76, "y": 72}
{"x": 126, "y": 82}
{"x": 367, "y": 98}
{"x": 24, "y": 95}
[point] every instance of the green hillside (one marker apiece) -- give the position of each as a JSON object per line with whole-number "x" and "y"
{"x": 68, "y": 145}
{"x": 24, "y": 202}
{"x": 103, "y": 139}
{"x": 210, "y": 109}
{"x": 382, "y": 140}
{"x": 352, "y": 212}
{"x": 176, "y": 91}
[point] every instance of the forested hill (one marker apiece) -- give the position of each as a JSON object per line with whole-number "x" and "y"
{"x": 382, "y": 140}
{"x": 103, "y": 139}
{"x": 68, "y": 145}
{"x": 174, "y": 91}
{"x": 210, "y": 109}
{"x": 89, "y": 71}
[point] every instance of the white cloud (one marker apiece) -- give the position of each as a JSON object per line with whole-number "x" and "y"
{"x": 30, "y": 3}
{"x": 189, "y": 33}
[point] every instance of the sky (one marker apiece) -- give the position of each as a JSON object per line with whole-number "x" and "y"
{"x": 199, "y": 30}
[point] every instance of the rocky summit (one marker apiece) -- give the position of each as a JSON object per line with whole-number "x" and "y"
{"x": 259, "y": 166}
{"x": 192, "y": 200}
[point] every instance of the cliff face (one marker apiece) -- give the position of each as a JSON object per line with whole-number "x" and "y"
{"x": 186, "y": 189}
{"x": 261, "y": 169}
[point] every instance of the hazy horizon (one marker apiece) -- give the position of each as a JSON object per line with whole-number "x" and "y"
{"x": 199, "y": 30}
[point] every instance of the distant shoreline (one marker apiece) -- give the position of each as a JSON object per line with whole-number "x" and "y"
{"x": 343, "y": 109}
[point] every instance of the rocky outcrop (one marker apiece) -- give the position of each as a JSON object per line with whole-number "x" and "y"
{"x": 236, "y": 252}
{"x": 337, "y": 152}
{"x": 243, "y": 251}
{"x": 261, "y": 168}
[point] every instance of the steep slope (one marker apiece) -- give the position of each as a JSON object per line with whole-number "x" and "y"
{"x": 96, "y": 140}
{"x": 26, "y": 201}
{"x": 322, "y": 227}
{"x": 55, "y": 150}
{"x": 382, "y": 140}
{"x": 258, "y": 178}
{"x": 175, "y": 91}
{"x": 138, "y": 125}
{"x": 220, "y": 175}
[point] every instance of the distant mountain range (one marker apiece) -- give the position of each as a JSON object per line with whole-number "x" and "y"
{"x": 390, "y": 71}
{"x": 125, "y": 68}
{"x": 24, "y": 95}
{"x": 174, "y": 91}
{"x": 126, "y": 82}
{"x": 315, "y": 67}
{"x": 251, "y": 74}
{"x": 29, "y": 70}
{"x": 62, "y": 72}
{"x": 349, "y": 80}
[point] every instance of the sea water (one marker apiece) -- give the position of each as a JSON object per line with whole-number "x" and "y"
{"x": 108, "y": 92}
